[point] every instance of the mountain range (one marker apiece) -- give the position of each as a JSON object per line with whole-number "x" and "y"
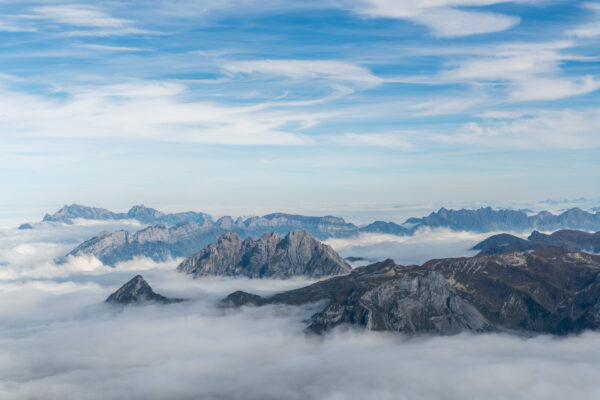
{"x": 145, "y": 215}
{"x": 553, "y": 290}
{"x": 484, "y": 219}
{"x": 183, "y": 234}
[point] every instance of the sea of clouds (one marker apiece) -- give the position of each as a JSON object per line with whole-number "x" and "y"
{"x": 58, "y": 340}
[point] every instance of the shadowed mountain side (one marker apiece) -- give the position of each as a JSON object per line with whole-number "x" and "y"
{"x": 137, "y": 291}
{"x": 297, "y": 254}
{"x": 552, "y": 291}
{"x": 568, "y": 239}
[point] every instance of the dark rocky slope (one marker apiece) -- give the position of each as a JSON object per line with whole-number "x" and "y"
{"x": 568, "y": 239}
{"x": 297, "y": 254}
{"x": 554, "y": 291}
{"x": 137, "y": 291}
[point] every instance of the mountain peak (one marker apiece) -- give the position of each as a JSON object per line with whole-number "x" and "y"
{"x": 298, "y": 254}
{"x": 137, "y": 291}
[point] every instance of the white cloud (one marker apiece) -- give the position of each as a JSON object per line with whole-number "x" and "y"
{"x": 307, "y": 69}
{"x": 554, "y": 88}
{"x": 530, "y": 71}
{"x": 591, "y": 29}
{"x": 449, "y": 22}
{"x": 449, "y": 105}
{"x": 424, "y": 245}
{"x": 389, "y": 140}
{"x": 149, "y": 110}
{"x": 586, "y": 31}
{"x": 8, "y": 26}
{"x": 548, "y": 129}
{"x": 80, "y": 15}
{"x": 103, "y": 47}
{"x": 75, "y": 20}
{"x": 441, "y": 16}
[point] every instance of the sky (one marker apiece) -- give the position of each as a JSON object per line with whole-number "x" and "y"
{"x": 246, "y": 107}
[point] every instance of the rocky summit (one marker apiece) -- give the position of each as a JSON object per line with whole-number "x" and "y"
{"x": 554, "y": 290}
{"x": 137, "y": 291}
{"x": 297, "y": 254}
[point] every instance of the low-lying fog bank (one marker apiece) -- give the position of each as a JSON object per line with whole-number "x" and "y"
{"x": 424, "y": 245}
{"x": 59, "y": 341}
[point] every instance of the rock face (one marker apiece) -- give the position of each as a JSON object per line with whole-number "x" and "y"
{"x": 297, "y": 254}
{"x": 568, "y": 239}
{"x": 157, "y": 242}
{"x": 25, "y": 227}
{"x": 137, "y": 291}
{"x": 554, "y": 291}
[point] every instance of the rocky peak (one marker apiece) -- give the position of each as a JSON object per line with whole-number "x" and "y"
{"x": 137, "y": 291}
{"x": 144, "y": 213}
{"x": 298, "y": 254}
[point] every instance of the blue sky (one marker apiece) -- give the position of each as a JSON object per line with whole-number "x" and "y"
{"x": 246, "y": 107}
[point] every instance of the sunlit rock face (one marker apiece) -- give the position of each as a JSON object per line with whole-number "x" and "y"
{"x": 552, "y": 290}
{"x": 297, "y": 254}
{"x": 157, "y": 242}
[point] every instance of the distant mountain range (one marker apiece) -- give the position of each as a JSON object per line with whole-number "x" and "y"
{"x": 143, "y": 214}
{"x": 479, "y": 220}
{"x": 183, "y": 234}
{"x": 297, "y": 254}
{"x": 568, "y": 239}
{"x": 553, "y": 290}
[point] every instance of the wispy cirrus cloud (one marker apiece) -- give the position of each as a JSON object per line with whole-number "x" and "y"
{"x": 388, "y": 140}
{"x": 442, "y": 17}
{"x": 103, "y": 47}
{"x": 331, "y": 70}
{"x": 565, "y": 129}
{"x": 150, "y": 110}
{"x": 589, "y": 29}
{"x": 71, "y": 20}
{"x": 79, "y": 15}
{"x": 529, "y": 71}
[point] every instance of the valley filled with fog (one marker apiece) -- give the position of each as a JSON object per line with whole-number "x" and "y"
{"x": 59, "y": 338}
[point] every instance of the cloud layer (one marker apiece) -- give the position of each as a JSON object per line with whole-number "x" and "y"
{"x": 59, "y": 340}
